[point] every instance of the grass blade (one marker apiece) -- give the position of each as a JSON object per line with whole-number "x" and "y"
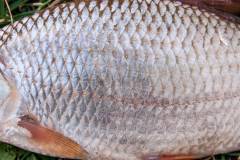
{"x": 22, "y": 15}
{"x": 17, "y": 3}
{"x": 2, "y": 9}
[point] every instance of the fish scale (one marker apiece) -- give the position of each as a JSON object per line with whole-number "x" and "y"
{"x": 126, "y": 79}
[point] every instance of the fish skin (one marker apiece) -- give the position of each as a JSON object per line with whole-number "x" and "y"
{"x": 129, "y": 79}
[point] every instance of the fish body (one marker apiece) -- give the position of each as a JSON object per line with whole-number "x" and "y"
{"x": 122, "y": 79}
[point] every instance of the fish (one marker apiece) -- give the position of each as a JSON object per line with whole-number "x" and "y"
{"x": 232, "y": 6}
{"x": 121, "y": 80}
{"x": 228, "y": 6}
{"x": 223, "y": 8}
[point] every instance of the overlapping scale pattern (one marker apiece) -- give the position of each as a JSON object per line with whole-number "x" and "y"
{"x": 129, "y": 78}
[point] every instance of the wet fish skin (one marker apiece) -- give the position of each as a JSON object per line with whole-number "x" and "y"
{"x": 127, "y": 79}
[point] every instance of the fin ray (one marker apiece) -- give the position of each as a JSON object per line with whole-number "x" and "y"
{"x": 50, "y": 142}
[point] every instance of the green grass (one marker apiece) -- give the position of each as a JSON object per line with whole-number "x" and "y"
{"x": 18, "y": 10}
{"x": 8, "y": 152}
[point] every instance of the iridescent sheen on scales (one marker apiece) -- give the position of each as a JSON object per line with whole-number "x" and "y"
{"x": 127, "y": 79}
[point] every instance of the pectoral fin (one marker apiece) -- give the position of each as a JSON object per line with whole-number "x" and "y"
{"x": 49, "y": 142}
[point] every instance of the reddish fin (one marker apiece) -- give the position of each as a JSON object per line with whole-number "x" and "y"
{"x": 225, "y": 9}
{"x": 50, "y": 142}
{"x": 169, "y": 157}
{"x": 178, "y": 157}
{"x": 230, "y": 6}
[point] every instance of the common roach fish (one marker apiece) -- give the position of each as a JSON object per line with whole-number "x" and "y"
{"x": 121, "y": 80}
